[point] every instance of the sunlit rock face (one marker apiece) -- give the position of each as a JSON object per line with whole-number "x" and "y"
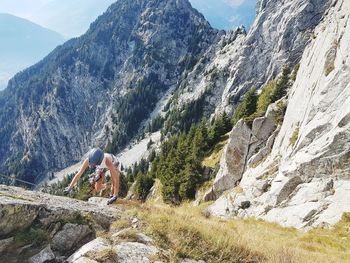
{"x": 304, "y": 181}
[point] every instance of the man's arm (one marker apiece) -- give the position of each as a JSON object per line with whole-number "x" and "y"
{"x": 80, "y": 173}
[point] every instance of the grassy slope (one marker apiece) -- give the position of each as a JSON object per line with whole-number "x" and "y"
{"x": 189, "y": 233}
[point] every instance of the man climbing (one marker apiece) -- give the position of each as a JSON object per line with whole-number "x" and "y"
{"x": 99, "y": 160}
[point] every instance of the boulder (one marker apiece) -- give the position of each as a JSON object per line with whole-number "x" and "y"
{"x": 72, "y": 236}
{"x": 19, "y": 209}
{"x": 16, "y": 214}
{"x": 134, "y": 252}
{"x": 5, "y": 243}
{"x": 43, "y": 256}
{"x": 95, "y": 246}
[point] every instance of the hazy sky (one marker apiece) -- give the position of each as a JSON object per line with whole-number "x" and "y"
{"x": 227, "y": 14}
{"x": 222, "y": 14}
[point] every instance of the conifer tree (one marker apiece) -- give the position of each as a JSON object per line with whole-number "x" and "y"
{"x": 247, "y": 107}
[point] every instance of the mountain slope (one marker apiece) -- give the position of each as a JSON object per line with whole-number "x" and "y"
{"x": 97, "y": 89}
{"x": 22, "y": 43}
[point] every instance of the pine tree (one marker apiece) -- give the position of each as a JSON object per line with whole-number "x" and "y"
{"x": 282, "y": 85}
{"x": 247, "y": 107}
{"x": 265, "y": 98}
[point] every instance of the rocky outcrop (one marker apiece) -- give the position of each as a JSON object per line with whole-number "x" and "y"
{"x": 305, "y": 181}
{"x": 232, "y": 163}
{"x": 245, "y": 146}
{"x": 67, "y": 230}
{"x": 30, "y": 220}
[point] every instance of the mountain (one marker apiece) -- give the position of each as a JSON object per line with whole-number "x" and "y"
{"x": 97, "y": 89}
{"x": 22, "y": 43}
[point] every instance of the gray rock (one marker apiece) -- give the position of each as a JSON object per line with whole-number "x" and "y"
{"x": 16, "y": 214}
{"x": 131, "y": 252}
{"x": 72, "y": 236}
{"x": 48, "y": 210}
{"x": 95, "y": 246}
{"x": 306, "y": 183}
{"x": 43, "y": 256}
{"x": 5, "y": 243}
{"x": 85, "y": 260}
{"x": 233, "y": 160}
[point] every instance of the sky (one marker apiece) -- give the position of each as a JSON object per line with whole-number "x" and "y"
{"x": 221, "y": 14}
{"x": 227, "y": 14}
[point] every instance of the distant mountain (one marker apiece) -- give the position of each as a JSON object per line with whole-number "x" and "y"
{"x": 22, "y": 43}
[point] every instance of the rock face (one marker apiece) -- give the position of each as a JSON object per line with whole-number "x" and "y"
{"x": 233, "y": 164}
{"x": 305, "y": 181}
{"x": 240, "y": 61}
{"x": 80, "y": 95}
{"x": 245, "y": 146}
{"x": 32, "y": 219}
{"x": 70, "y": 237}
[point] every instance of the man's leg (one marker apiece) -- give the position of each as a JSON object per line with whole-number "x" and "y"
{"x": 115, "y": 183}
{"x": 115, "y": 186}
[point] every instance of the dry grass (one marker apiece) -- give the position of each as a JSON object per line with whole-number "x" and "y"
{"x": 187, "y": 233}
{"x": 214, "y": 158}
{"x": 328, "y": 69}
{"x": 294, "y": 137}
{"x": 120, "y": 224}
{"x": 102, "y": 256}
{"x": 129, "y": 235}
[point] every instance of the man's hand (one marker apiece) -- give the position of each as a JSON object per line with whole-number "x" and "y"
{"x": 67, "y": 190}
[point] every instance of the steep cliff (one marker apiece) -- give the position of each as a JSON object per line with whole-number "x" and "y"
{"x": 304, "y": 181}
{"x": 278, "y": 37}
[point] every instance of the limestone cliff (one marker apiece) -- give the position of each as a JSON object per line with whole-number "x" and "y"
{"x": 305, "y": 181}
